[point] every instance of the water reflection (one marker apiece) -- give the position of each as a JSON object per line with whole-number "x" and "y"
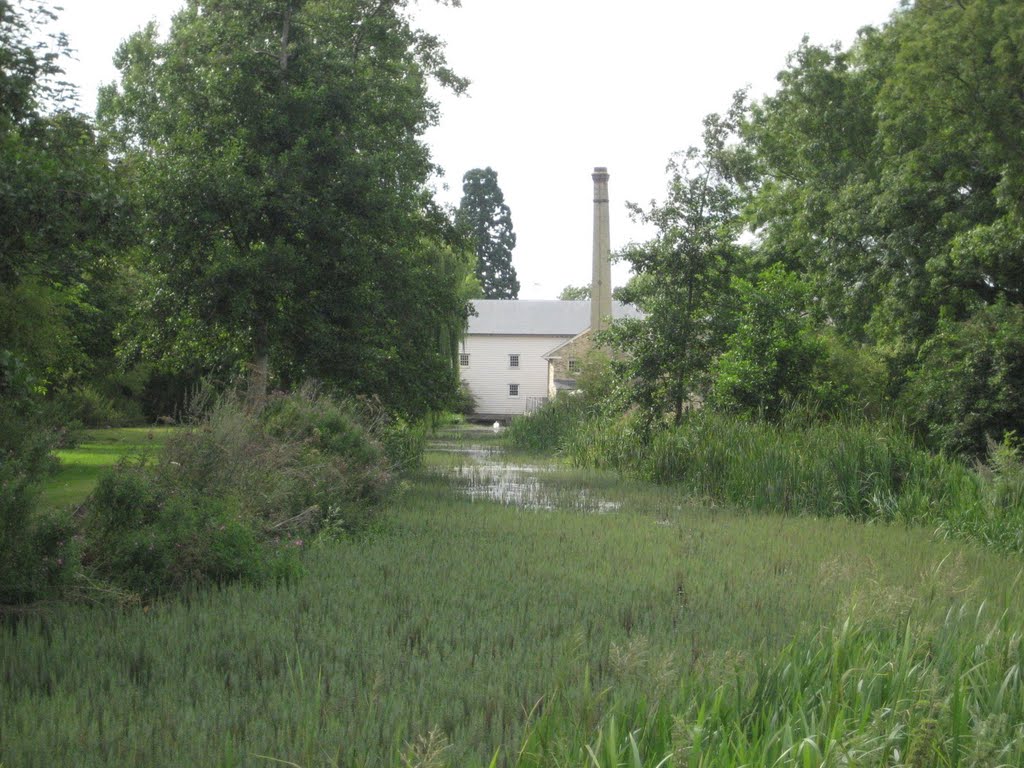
{"x": 483, "y": 473}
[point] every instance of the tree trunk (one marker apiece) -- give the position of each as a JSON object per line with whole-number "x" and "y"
{"x": 259, "y": 371}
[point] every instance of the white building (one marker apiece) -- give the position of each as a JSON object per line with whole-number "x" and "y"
{"x": 514, "y": 354}
{"x": 506, "y": 356}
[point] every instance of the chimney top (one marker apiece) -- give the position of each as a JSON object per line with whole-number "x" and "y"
{"x": 601, "y": 285}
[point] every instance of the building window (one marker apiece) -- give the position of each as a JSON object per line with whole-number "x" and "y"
{"x": 513, "y": 390}
{"x": 513, "y": 361}
{"x": 463, "y": 359}
{"x": 574, "y": 365}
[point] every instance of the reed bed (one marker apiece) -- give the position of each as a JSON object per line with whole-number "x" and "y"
{"x": 545, "y": 428}
{"x": 469, "y": 630}
{"x": 863, "y": 693}
{"x": 867, "y": 471}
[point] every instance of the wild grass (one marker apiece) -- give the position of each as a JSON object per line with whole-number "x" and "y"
{"x": 545, "y": 428}
{"x": 859, "y": 693}
{"x": 469, "y": 629}
{"x": 867, "y": 471}
{"x": 96, "y": 451}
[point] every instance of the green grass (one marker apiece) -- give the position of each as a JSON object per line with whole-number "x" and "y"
{"x": 97, "y": 450}
{"x": 865, "y": 470}
{"x": 470, "y": 628}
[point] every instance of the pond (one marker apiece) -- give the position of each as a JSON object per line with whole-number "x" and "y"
{"x": 480, "y": 467}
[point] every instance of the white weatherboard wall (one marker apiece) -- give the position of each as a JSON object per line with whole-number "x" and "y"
{"x": 488, "y": 373}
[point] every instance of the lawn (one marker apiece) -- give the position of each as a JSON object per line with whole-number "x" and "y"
{"x": 467, "y": 628}
{"x": 97, "y": 449}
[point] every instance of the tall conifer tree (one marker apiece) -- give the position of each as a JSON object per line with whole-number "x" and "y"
{"x": 488, "y": 220}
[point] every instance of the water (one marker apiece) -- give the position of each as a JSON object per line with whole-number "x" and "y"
{"x": 485, "y": 473}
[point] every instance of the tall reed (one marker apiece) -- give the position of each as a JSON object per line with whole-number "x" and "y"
{"x": 860, "y": 469}
{"x": 860, "y": 693}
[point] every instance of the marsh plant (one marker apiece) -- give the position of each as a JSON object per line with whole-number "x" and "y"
{"x": 549, "y": 636}
{"x": 851, "y": 467}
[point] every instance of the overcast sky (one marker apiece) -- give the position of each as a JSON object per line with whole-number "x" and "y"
{"x": 558, "y": 87}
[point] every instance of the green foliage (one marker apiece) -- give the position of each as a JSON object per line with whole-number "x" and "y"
{"x": 849, "y": 378}
{"x": 849, "y": 466}
{"x": 491, "y": 627}
{"x": 58, "y": 201}
{"x": 30, "y": 61}
{"x": 546, "y": 428}
{"x": 777, "y": 359}
{"x": 282, "y": 189}
{"x": 150, "y": 543}
{"x": 552, "y": 425}
{"x": 404, "y": 443}
{"x": 236, "y": 496}
{"x": 92, "y": 453}
{"x": 25, "y": 458}
{"x": 488, "y": 222}
{"x": 845, "y": 695}
{"x": 910, "y": 211}
{"x": 575, "y": 293}
{"x": 465, "y": 403}
{"x": 323, "y": 425}
{"x": 684, "y": 275}
{"x": 769, "y": 359}
{"x": 968, "y": 385}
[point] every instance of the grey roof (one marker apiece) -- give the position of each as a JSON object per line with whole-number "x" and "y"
{"x": 514, "y": 317}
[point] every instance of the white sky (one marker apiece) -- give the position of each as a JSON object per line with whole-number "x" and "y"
{"x": 558, "y": 87}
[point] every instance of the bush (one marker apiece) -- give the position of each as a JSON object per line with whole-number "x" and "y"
{"x": 464, "y": 402}
{"x": 91, "y": 406}
{"x": 776, "y": 358}
{"x": 236, "y": 495}
{"x": 848, "y": 378}
{"x": 25, "y": 458}
{"x": 149, "y": 543}
{"x": 968, "y": 387}
{"x": 769, "y": 359}
{"x": 551, "y": 426}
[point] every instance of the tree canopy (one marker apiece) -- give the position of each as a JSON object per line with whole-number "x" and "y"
{"x": 488, "y": 221}
{"x": 281, "y": 174}
{"x": 575, "y": 293}
{"x": 684, "y": 273}
{"x": 883, "y": 190}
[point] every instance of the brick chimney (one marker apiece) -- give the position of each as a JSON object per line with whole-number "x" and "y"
{"x": 601, "y": 284}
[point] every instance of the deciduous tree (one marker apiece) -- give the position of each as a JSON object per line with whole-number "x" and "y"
{"x": 575, "y": 293}
{"x": 277, "y": 144}
{"x": 684, "y": 274}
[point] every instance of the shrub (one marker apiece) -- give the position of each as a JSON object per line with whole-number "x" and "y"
{"x": 848, "y": 378}
{"x": 149, "y": 542}
{"x": 24, "y": 459}
{"x": 769, "y": 358}
{"x": 552, "y": 425}
{"x": 92, "y": 406}
{"x": 464, "y": 403}
{"x": 236, "y": 495}
{"x": 404, "y": 443}
{"x": 969, "y": 384}
{"x": 323, "y": 424}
